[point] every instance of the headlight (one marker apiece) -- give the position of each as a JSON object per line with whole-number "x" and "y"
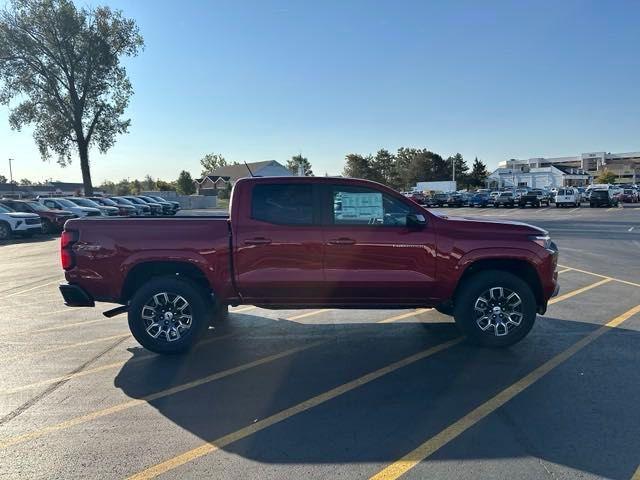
{"x": 544, "y": 241}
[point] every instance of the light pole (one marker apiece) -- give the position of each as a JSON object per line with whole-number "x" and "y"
{"x": 11, "y": 175}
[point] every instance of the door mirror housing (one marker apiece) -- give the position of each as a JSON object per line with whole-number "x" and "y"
{"x": 416, "y": 220}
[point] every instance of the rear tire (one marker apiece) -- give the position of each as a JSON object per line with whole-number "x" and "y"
{"x": 5, "y": 231}
{"x": 168, "y": 315}
{"x": 485, "y": 296}
{"x": 47, "y": 227}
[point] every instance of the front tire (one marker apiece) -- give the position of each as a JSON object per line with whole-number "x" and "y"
{"x": 495, "y": 308}
{"x": 5, "y": 231}
{"x": 168, "y": 315}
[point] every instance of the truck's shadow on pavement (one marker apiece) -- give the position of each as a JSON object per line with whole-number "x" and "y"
{"x": 582, "y": 415}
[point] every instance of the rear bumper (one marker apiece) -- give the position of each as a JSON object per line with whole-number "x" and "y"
{"x": 75, "y": 296}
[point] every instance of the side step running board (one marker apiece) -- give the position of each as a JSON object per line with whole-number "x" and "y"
{"x": 116, "y": 311}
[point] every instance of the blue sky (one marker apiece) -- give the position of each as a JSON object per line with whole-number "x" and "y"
{"x": 266, "y": 80}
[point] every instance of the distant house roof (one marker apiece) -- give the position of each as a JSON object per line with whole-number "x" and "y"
{"x": 213, "y": 178}
{"x": 234, "y": 172}
{"x": 571, "y": 170}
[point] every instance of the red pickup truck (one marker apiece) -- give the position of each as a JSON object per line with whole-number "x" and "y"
{"x": 301, "y": 242}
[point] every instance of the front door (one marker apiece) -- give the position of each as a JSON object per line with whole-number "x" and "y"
{"x": 278, "y": 243}
{"x": 371, "y": 254}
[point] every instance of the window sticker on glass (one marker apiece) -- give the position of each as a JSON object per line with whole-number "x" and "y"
{"x": 358, "y": 207}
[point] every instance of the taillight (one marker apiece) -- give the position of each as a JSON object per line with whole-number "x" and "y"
{"x": 67, "y": 257}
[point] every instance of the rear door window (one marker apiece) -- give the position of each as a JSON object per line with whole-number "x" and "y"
{"x": 283, "y": 204}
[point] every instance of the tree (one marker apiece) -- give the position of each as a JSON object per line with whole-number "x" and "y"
{"x": 461, "y": 169}
{"x": 184, "y": 184}
{"x": 295, "y": 163}
{"x": 606, "y": 176}
{"x": 136, "y": 187}
{"x": 149, "y": 183}
{"x": 165, "y": 186}
{"x": 123, "y": 187}
{"x": 3, "y": 179}
{"x": 25, "y": 181}
{"x": 478, "y": 174}
{"x": 441, "y": 170}
{"x": 62, "y": 64}
{"x": 212, "y": 161}
{"x": 384, "y": 168}
{"x": 358, "y": 166}
{"x": 108, "y": 186}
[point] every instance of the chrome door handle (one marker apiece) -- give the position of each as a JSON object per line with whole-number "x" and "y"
{"x": 258, "y": 241}
{"x": 342, "y": 241}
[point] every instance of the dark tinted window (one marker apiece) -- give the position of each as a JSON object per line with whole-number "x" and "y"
{"x": 283, "y": 204}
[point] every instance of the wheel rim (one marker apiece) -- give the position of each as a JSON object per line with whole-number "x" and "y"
{"x": 498, "y": 311}
{"x": 4, "y": 232}
{"x": 167, "y": 316}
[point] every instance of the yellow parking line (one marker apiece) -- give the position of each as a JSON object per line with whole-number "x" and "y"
{"x": 243, "y": 309}
{"x": 64, "y": 347}
{"x": 445, "y": 436}
{"x": 149, "y": 398}
{"x": 62, "y": 327}
{"x": 564, "y": 270}
{"x": 309, "y": 314}
{"x": 102, "y": 368}
{"x": 578, "y": 291}
{"x": 249, "y": 430}
{"x": 603, "y": 276}
{"x": 30, "y": 289}
{"x": 405, "y": 315}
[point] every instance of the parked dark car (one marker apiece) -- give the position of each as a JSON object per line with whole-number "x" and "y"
{"x": 52, "y": 220}
{"x": 479, "y": 200}
{"x": 142, "y": 209}
{"x": 167, "y": 208}
{"x": 506, "y": 199}
{"x": 123, "y": 210}
{"x": 155, "y": 208}
{"x": 629, "y": 195}
{"x": 535, "y": 198}
{"x": 602, "y": 198}
{"x": 176, "y": 205}
{"x": 438, "y": 200}
{"x": 455, "y": 200}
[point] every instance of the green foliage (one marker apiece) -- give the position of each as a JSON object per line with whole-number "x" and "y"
{"x": 412, "y": 165}
{"x": 225, "y": 192}
{"x": 123, "y": 187}
{"x": 3, "y": 179}
{"x": 298, "y": 160}
{"x": 212, "y": 161}
{"x": 478, "y": 174}
{"x": 25, "y": 181}
{"x": 165, "y": 186}
{"x": 62, "y": 66}
{"x": 358, "y": 166}
{"x": 606, "y": 176}
{"x": 184, "y": 184}
{"x": 148, "y": 183}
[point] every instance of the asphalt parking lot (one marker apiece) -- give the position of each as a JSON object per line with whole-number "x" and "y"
{"x": 332, "y": 394}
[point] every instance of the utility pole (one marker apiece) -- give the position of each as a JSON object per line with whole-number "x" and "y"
{"x": 11, "y": 175}
{"x": 453, "y": 163}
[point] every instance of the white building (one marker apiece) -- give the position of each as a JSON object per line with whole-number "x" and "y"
{"x": 625, "y": 165}
{"x": 537, "y": 177}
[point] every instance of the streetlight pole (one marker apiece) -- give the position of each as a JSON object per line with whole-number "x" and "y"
{"x": 11, "y": 174}
{"x": 453, "y": 163}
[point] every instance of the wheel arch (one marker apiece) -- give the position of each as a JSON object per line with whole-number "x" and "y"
{"x": 520, "y": 267}
{"x": 144, "y": 271}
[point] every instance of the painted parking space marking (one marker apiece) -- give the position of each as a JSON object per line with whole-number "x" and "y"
{"x": 433, "y": 444}
{"x": 578, "y": 291}
{"x": 30, "y": 289}
{"x": 405, "y": 315}
{"x": 626, "y": 282}
{"x": 308, "y": 404}
{"x": 310, "y": 314}
{"x": 151, "y": 397}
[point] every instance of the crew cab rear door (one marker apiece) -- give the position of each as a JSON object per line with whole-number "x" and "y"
{"x": 278, "y": 243}
{"x": 371, "y": 255}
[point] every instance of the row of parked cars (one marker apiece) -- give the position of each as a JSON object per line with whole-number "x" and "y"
{"x": 26, "y": 217}
{"x": 596, "y": 195}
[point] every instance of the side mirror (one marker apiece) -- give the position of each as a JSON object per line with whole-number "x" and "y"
{"x": 416, "y": 220}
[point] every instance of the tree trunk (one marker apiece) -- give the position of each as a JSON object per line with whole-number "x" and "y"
{"x": 84, "y": 166}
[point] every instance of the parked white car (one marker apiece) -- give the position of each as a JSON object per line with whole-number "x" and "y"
{"x": 64, "y": 204}
{"x": 567, "y": 197}
{"x": 18, "y": 223}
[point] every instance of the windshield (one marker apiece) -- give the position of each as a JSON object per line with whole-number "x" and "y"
{"x": 123, "y": 201}
{"x": 66, "y": 203}
{"x": 85, "y": 202}
{"x": 107, "y": 201}
{"x": 38, "y": 206}
{"x": 5, "y": 209}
